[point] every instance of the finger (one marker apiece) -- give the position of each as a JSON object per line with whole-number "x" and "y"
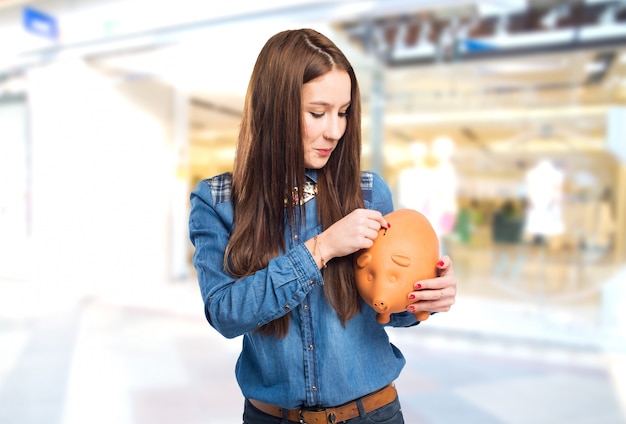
{"x": 444, "y": 262}
{"x": 370, "y": 233}
{"x": 428, "y": 284}
{"x": 372, "y": 214}
{"x": 428, "y": 295}
{"x": 374, "y": 225}
{"x": 384, "y": 223}
{"x": 438, "y": 296}
{"x": 445, "y": 270}
{"x": 375, "y": 219}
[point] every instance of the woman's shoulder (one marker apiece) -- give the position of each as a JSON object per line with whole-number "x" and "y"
{"x": 218, "y": 187}
{"x": 376, "y": 192}
{"x": 371, "y": 181}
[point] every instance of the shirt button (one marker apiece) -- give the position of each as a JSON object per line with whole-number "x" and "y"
{"x": 305, "y": 307}
{"x": 311, "y": 283}
{"x": 310, "y": 347}
{"x": 286, "y": 307}
{"x": 314, "y": 389}
{"x": 295, "y": 237}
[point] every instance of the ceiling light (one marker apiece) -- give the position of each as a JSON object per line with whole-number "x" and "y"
{"x": 522, "y": 67}
{"x": 353, "y": 9}
{"x": 595, "y": 67}
{"x": 552, "y": 18}
{"x": 487, "y": 9}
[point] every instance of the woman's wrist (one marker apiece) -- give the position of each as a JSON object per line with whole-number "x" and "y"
{"x": 317, "y": 249}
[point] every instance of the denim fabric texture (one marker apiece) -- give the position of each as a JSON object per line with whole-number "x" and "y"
{"x": 319, "y": 362}
{"x": 388, "y": 414}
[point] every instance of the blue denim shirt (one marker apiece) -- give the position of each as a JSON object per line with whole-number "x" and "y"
{"x": 319, "y": 362}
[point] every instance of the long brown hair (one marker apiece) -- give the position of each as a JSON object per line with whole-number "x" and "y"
{"x": 269, "y": 163}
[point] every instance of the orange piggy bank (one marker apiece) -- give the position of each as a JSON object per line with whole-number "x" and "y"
{"x": 403, "y": 254}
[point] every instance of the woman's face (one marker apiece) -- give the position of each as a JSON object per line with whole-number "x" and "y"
{"x": 325, "y": 101}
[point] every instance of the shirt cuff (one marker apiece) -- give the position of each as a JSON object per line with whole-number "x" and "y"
{"x": 304, "y": 265}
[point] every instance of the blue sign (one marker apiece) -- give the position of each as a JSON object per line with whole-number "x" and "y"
{"x": 40, "y": 23}
{"x": 477, "y": 46}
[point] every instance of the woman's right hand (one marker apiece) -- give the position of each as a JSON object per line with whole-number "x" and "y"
{"x": 353, "y": 232}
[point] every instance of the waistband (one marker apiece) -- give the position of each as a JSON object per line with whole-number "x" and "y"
{"x": 334, "y": 414}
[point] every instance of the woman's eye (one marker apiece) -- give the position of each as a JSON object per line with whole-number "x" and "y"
{"x": 317, "y": 115}
{"x": 343, "y": 114}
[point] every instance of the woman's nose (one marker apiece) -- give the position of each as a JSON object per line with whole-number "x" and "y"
{"x": 335, "y": 128}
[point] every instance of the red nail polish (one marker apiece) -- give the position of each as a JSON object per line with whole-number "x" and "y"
{"x": 411, "y": 296}
{"x": 419, "y": 286}
{"x": 389, "y": 225}
{"x": 440, "y": 263}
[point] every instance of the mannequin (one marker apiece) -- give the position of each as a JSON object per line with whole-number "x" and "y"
{"x": 430, "y": 185}
{"x": 544, "y": 185}
{"x": 408, "y": 196}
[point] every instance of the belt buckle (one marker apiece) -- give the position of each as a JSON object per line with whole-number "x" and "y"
{"x": 330, "y": 418}
{"x": 300, "y": 417}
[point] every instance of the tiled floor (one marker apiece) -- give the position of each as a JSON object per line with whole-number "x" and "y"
{"x": 91, "y": 358}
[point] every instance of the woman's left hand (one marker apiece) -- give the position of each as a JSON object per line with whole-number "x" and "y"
{"x": 435, "y": 294}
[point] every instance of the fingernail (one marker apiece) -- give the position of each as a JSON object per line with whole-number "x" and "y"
{"x": 389, "y": 225}
{"x": 419, "y": 286}
{"x": 440, "y": 263}
{"x": 411, "y": 296}
{"x": 411, "y": 308}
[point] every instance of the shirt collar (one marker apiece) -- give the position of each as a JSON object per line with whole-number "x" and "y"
{"x": 311, "y": 174}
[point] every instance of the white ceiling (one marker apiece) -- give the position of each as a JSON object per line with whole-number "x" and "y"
{"x": 487, "y": 105}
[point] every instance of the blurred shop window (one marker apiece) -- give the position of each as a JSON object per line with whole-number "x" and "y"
{"x": 469, "y": 219}
{"x": 13, "y": 188}
{"x": 507, "y": 233}
{"x": 599, "y": 223}
{"x": 508, "y": 223}
{"x": 590, "y": 217}
{"x": 430, "y": 184}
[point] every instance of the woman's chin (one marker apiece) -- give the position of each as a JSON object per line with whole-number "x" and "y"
{"x": 317, "y": 163}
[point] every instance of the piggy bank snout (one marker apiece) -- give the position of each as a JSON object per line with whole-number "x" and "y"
{"x": 387, "y": 294}
{"x": 380, "y": 305}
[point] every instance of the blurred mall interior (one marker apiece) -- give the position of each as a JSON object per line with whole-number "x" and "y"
{"x": 510, "y": 114}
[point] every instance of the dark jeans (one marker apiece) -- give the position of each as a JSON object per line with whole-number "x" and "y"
{"x": 388, "y": 414}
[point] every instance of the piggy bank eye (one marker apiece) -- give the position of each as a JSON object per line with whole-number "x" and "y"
{"x": 401, "y": 260}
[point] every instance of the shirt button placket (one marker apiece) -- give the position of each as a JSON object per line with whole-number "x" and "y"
{"x": 309, "y": 356}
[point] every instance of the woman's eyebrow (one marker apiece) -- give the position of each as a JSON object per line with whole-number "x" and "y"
{"x": 323, "y": 103}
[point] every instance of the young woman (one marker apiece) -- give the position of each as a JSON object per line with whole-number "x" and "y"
{"x": 274, "y": 243}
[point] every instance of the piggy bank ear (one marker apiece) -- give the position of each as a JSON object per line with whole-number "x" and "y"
{"x": 401, "y": 260}
{"x": 363, "y": 260}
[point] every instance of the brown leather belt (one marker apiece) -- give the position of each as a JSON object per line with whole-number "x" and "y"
{"x": 335, "y": 414}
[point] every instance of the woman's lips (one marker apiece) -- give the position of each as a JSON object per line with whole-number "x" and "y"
{"x": 324, "y": 152}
